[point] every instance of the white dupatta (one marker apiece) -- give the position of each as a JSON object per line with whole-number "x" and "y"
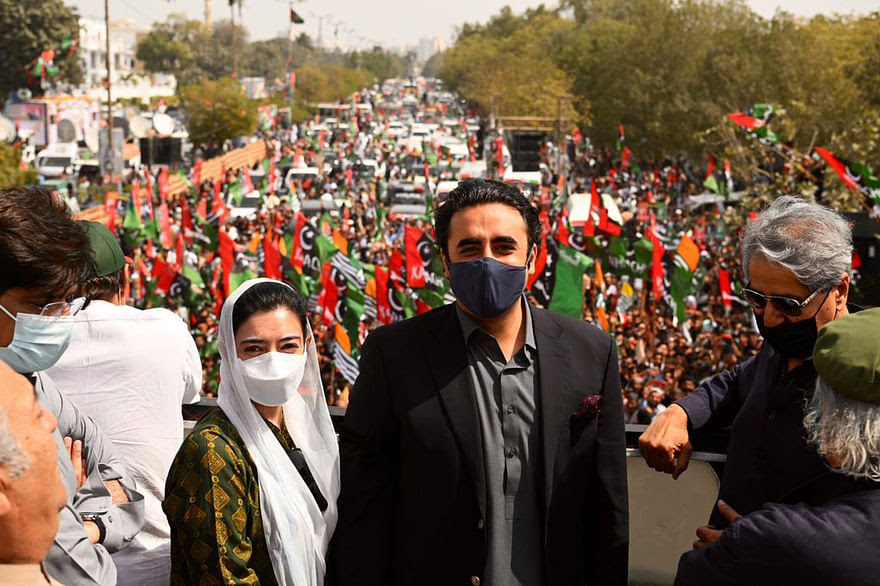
{"x": 297, "y": 533}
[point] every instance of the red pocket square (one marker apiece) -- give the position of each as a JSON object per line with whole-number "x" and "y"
{"x": 589, "y": 408}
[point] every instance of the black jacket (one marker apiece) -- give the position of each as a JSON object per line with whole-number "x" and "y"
{"x": 768, "y": 458}
{"x": 830, "y": 544}
{"x": 413, "y": 489}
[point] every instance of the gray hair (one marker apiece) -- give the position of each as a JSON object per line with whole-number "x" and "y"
{"x": 845, "y": 428}
{"x": 12, "y": 458}
{"x": 811, "y": 241}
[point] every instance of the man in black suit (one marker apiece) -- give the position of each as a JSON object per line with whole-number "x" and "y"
{"x": 484, "y": 440}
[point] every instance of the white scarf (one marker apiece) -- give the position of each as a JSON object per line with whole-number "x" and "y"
{"x": 297, "y": 533}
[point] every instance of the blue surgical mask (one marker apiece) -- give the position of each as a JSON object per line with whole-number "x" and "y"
{"x": 37, "y": 342}
{"x": 486, "y": 286}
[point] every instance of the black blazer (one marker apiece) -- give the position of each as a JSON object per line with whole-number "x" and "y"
{"x": 413, "y": 493}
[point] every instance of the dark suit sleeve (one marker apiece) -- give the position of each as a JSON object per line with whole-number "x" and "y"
{"x": 607, "y": 520}
{"x": 716, "y": 401}
{"x": 718, "y": 564}
{"x": 361, "y": 547}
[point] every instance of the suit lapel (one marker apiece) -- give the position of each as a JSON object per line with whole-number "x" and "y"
{"x": 557, "y": 394}
{"x": 447, "y": 357}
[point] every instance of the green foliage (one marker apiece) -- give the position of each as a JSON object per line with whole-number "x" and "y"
{"x": 11, "y": 173}
{"x": 515, "y": 58}
{"x": 29, "y": 28}
{"x": 379, "y": 63}
{"x": 668, "y": 70}
{"x": 218, "y": 111}
{"x": 329, "y": 82}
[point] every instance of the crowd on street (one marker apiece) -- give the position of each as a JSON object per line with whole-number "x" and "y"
{"x": 381, "y": 162}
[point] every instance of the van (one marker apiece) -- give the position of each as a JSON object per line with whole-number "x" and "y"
{"x": 57, "y": 159}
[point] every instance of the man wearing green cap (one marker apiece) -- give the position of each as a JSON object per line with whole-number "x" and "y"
{"x": 130, "y": 370}
{"x": 830, "y": 540}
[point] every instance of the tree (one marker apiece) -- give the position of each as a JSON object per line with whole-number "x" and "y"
{"x": 173, "y": 46}
{"x": 11, "y": 173}
{"x": 29, "y": 28}
{"x": 513, "y": 57}
{"x": 218, "y": 111}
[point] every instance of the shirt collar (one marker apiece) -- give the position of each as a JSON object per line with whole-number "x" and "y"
{"x": 469, "y": 326}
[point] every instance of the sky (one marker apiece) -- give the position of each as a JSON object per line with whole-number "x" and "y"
{"x": 390, "y": 23}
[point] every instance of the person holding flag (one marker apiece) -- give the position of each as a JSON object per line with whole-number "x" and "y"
{"x": 484, "y": 440}
{"x": 251, "y": 495}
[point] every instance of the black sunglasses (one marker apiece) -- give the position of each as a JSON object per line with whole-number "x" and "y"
{"x": 787, "y": 305}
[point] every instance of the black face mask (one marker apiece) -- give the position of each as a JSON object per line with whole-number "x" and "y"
{"x": 792, "y": 340}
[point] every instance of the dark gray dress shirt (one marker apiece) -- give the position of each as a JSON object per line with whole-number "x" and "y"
{"x": 507, "y": 397}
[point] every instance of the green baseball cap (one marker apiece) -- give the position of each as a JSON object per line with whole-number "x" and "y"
{"x": 847, "y": 355}
{"x": 109, "y": 257}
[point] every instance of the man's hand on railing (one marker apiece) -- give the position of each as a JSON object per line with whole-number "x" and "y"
{"x": 665, "y": 445}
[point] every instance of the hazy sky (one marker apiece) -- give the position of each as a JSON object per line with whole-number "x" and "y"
{"x": 388, "y": 22}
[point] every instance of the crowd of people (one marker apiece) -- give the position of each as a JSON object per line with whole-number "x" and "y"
{"x": 353, "y": 205}
{"x": 482, "y": 440}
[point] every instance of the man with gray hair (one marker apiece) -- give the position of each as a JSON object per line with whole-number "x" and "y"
{"x": 835, "y": 541}
{"x": 797, "y": 258}
{"x": 31, "y": 492}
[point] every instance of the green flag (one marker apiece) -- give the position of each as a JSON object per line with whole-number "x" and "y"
{"x": 236, "y": 279}
{"x": 302, "y": 283}
{"x": 235, "y": 190}
{"x": 568, "y": 288}
{"x": 680, "y": 286}
{"x": 324, "y": 247}
{"x": 712, "y": 184}
{"x": 195, "y": 278}
{"x": 132, "y": 221}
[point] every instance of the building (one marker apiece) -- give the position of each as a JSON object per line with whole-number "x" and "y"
{"x": 123, "y": 48}
{"x": 428, "y": 46}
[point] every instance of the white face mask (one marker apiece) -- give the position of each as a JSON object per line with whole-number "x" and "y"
{"x": 272, "y": 378}
{"x": 38, "y": 341}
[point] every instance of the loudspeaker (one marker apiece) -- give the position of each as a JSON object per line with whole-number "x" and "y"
{"x": 162, "y": 150}
{"x": 525, "y": 146}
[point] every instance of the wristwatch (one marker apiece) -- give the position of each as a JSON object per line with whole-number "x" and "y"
{"x": 102, "y": 530}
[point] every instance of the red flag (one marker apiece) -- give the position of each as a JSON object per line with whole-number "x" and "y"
{"x": 218, "y": 206}
{"x": 227, "y": 258}
{"x": 186, "y": 221}
{"x": 179, "y": 250}
{"x": 658, "y": 271}
{"x": 710, "y": 166}
{"x": 272, "y": 264}
{"x": 415, "y": 268}
{"x": 726, "y": 293}
{"x": 110, "y": 199}
{"x": 422, "y": 307}
{"x": 607, "y": 225}
{"x": 540, "y": 263}
{"x": 202, "y": 208}
{"x": 136, "y": 198}
{"x": 247, "y": 184}
{"x": 856, "y": 260}
{"x": 839, "y": 168}
{"x": 744, "y": 120}
{"x": 383, "y": 306}
{"x": 395, "y": 268}
{"x": 625, "y": 158}
{"x": 163, "y": 184}
{"x": 165, "y": 237}
{"x": 148, "y": 199}
{"x": 296, "y": 255}
{"x": 329, "y": 296}
{"x": 164, "y": 274}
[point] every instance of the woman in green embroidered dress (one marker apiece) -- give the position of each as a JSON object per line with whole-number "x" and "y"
{"x": 251, "y": 495}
